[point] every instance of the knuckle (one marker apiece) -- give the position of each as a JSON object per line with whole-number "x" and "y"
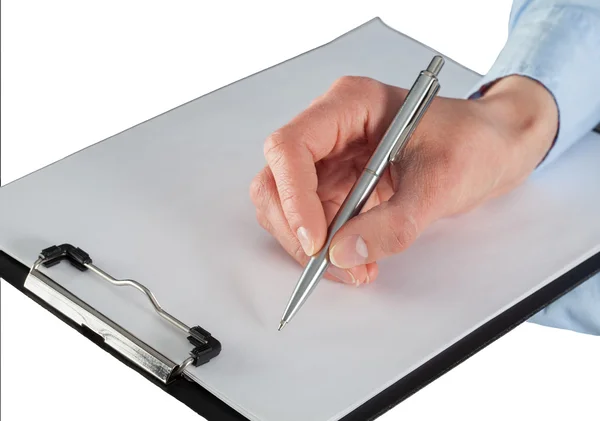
{"x": 354, "y": 84}
{"x": 258, "y": 190}
{"x": 273, "y": 145}
{"x": 288, "y": 196}
{"x": 262, "y": 190}
{"x": 290, "y": 205}
{"x": 345, "y": 82}
{"x": 354, "y": 97}
{"x": 279, "y": 153}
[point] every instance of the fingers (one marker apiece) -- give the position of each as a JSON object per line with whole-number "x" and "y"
{"x": 295, "y": 177}
{"x": 353, "y": 109}
{"x": 371, "y": 270}
{"x": 270, "y": 216}
{"x": 384, "y": 230}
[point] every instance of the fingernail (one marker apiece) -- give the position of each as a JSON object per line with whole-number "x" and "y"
{"x": 349, "y": 252}
{"x": 343, "y": 275}
{"x": 305, "y": 241}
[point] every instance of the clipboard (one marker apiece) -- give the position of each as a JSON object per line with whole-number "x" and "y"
{"x": 210, "y": 407}
{"x": 205, "y": 349}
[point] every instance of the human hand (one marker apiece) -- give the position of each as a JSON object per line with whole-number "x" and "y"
{"x": 462, "y": 153}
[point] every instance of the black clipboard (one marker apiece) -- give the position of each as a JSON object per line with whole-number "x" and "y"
{"x": 210, "y": 407}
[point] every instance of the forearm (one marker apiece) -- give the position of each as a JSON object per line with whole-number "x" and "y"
{"x": 526, "y": 115}
{"x": 556, "y": 43}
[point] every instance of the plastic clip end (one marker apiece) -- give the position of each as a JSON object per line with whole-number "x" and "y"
{"x": 55, "y": 254}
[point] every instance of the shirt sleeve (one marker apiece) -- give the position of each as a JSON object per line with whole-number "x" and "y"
{"x": 556, "y": 43}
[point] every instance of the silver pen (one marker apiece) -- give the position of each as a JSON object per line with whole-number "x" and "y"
{"x": 395, "y": 138}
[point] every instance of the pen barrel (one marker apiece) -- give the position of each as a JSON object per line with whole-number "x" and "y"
{"x": 318, "y": 264}
{"x": 354, "y": 202}
{"x": 415, "y": 104}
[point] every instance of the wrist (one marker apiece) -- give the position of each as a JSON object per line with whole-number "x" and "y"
{"x": 526, "y": 113}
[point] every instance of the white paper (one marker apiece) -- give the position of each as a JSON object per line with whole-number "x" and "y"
{"x": 166, "y": 203}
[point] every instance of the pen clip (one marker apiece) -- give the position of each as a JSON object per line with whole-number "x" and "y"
{"x": 420, "y": 101}
{"x": 396, "y": 152}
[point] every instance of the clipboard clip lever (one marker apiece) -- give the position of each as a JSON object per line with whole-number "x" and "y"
{"x": 205, "y": 346}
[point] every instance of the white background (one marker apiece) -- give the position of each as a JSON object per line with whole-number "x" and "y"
{"x": 74, "y": 73}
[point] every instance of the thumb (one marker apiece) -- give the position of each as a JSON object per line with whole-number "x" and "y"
{"x": 383, "y": 230}
{"x": 423, "y": 188}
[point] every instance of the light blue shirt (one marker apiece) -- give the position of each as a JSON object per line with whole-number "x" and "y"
{"x": 557, "y": 43}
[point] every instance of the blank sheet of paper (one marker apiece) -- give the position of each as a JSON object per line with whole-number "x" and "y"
{"x": 166, "y": 203}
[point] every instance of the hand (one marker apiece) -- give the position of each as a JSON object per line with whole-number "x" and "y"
{"x": 462, "y": 153}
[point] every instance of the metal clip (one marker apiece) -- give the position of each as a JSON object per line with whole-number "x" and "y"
{"x": 144, "y": 356}
{"x": 415, "y": 104}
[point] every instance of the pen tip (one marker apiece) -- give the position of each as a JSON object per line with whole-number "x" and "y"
{"x": 281, "y": 325}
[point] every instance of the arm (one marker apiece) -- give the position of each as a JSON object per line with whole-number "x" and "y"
{"x": 557, "y": 43}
